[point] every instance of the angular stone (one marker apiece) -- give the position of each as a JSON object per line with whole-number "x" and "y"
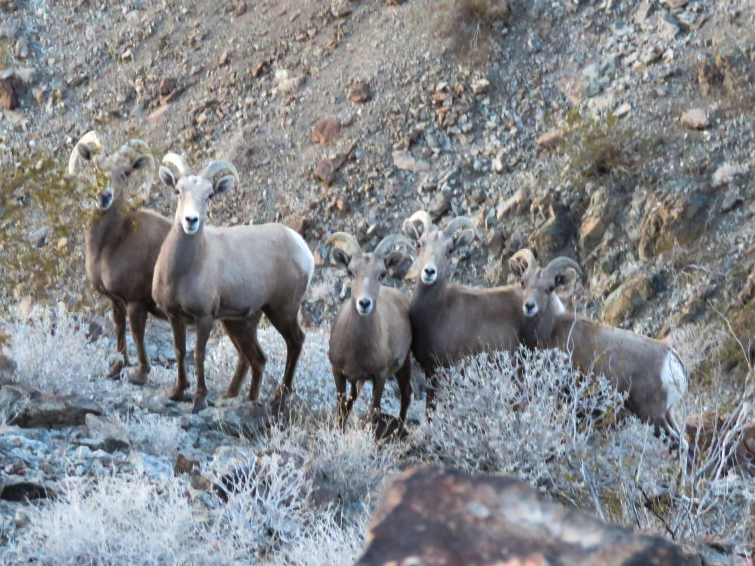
{"x": 111, "y": 434}
{"x": 8, "y": 97}
{"x": 359, "y": 91}
{"x": 431, "y": 516}
{"x": 29, "y": 408}
{"x": 550, "y": 139}
{"x": 679, "y": 218}
{"x": 624, "y": 302}
{"x": 695, "y": 119}
{"x": 598, "y": 217}
{"x": 405, "y": 160}
{"x": 327, "y": 131}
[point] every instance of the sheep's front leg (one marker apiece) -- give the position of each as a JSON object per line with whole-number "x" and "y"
{"x": 341, "y": 397}
{"x": 378, "y": 384}
{"x": 204, "y": 327}
{"x": 119, "y": 324}
{"x": 404, "y": 378}
{"x": 178, "y": 326}
{"x": 432, "y": 377}
{"x": 137, "y": 316}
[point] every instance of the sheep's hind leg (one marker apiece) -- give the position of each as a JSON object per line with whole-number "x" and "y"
{"x": 137, "y": 317}
{"x": 242, "y": 364}
{"x": 178, "y": 326}
{"x": 404, "y": 378}
{"x": 119, "y": 324}
{"x": 204, "y": 327}
{"x": 292, "y": 333}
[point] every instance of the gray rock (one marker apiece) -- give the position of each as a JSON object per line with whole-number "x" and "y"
{"x": 29, "y": 408}
{"x": 108, "y": 432}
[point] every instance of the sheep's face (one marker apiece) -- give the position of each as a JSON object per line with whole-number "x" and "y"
{"x": 119, "y": 173}
{"x": 367, "y": 273}
{"x": 435, "y": 250}
{"x": 193, "y": 192}
{"x": 538, "y": 286}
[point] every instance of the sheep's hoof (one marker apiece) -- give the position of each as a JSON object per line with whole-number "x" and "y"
{"x": 138, "y": 378}
{"x": 115, "y": 370}
{"x": 388, "y": 427}
{"x": 179, "y": 394}
{"x": 230, "y": 394}
{"x": 200, "y": 403}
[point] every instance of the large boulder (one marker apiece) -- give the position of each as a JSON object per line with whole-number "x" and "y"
{"x": 432, "y": 516}
{"x": 29, "y": 408}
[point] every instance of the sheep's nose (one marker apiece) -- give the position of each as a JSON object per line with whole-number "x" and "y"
{"x": 191, "y": 221}
{"x": 365, "y": 304}
{"x": 530, "y": 308}
{"x": 429, "y": 270}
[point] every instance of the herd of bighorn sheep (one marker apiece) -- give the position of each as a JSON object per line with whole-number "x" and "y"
{"x": 189, "y": 272}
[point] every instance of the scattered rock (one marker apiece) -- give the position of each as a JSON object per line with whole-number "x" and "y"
{"x": 600, "y": 214}
{"x": 679, "y": 218}
{"x": 481, "y": 86}
{"x": 260, "y": 68}
{"x": 110, "y": 434}
{"x": 627, "y": 299}
{"x": 23, "y": 491}
{"x": 285, "y": 83}
{"x": 8, "y": 97}
{"x": 709, "y": 76}
{"x": 327, "y": 131}
{"x": 240, "y": 418}
{"x": 403, "y": 159}
{"x": 448, "y": 517}
{"x": 184, "y": 465}
{"x": 726, "y": 173}
{"x": 695, "y": 119}
{"x": 359, "y": 91}
{"x": 558, "y": 231}
{"x": 167, "y": 85}
{"x": 550, "y": 139}
{"x": 29, "y": 408}
{"x": 224, "y": 58}
{"x": 326, "y": 169}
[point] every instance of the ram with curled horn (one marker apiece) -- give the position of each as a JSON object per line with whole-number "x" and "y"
{"x": 451, "y": 321}
{"x": 370, "y": 338}
{"x": 647, "y": 370}
{"x": 233, "y": 274}
{"x": 121, "y": 243}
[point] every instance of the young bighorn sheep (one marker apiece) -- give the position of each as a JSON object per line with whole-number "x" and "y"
{"x": 648, "y": 370}
{"x": 235, "y": 274}
{"x": 451, "y": 321}
{"x": 371, "y": 336}
{"x": 122, "y": 243}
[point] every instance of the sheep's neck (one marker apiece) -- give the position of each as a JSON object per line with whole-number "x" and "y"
{"x": 108, "y": 227}
{"x": 185, "y": 251}
{"x": 362, "y": 327}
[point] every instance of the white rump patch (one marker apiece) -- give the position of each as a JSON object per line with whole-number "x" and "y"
{"x": 306, "y": 259}
{"x": 674, "y": 379}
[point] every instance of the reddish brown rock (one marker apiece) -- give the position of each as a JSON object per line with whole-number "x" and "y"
{"x": 166, "y": 86}
{"x": 550, "y": 139}
{"x": 8, "y": 97}
{"x": 327, "y": 130}
{"x": 359, "y": 91}
{"x": 441, "y": 517}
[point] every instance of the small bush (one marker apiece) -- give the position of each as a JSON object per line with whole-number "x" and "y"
{"x": 53, "y": 352}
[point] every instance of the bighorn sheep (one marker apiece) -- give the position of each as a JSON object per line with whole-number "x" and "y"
{"x": 122, "y": 243}
{"x": 371, "y": 336}
{"x": 648, "y": 370}
{"x": 451, "y": 321}
{"x": 235, "y": 274}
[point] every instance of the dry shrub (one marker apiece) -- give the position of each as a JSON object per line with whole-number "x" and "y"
{"x": 472, "y": 25}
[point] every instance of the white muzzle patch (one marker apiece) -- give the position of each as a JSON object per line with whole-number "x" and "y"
{"x": 365, "y": 305}
{"x": 429, "y": 274}
{"x": 529, "y": 309}
{"x": 105, "y": 198}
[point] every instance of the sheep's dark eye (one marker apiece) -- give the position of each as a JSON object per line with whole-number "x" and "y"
{"x": 350, "y": 273}
{"x": 551, "y": 289}
{"x": 523, "y": 284}
{"x": 177, "y": 191}
{"x": 382, "y": 276}
{"x": 126, "y": 174}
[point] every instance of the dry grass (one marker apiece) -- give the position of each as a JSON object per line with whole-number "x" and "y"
{"x": 472, "y": 26}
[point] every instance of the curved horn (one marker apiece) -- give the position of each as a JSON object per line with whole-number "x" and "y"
{"x": 350, "y": 244}
{"x": 459, "y": 222}
{"x": 178, "y": 162}
{"x": 558, "y": 265}
{"x": 90, "y": 140}
{"x": 421, "y": 216}
{"x": 521, "y": 261}
{"x": 216, "y": 166}
{"x": 382, "y": 249}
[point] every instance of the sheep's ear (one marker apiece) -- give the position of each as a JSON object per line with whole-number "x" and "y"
{"x": 559, "y": 280}
{"x": 413, "y": 230}
{"x": 518, "y": 266}
{"x": 394, "y": 259}
{"x": 167, "y": 177}
{"x": 340, "y": 257}
{"x": 84, "y": 152}
{"x": 463, "y": 238}
{"x": 141, "y": 162}
{"x": 223, "y": 184}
